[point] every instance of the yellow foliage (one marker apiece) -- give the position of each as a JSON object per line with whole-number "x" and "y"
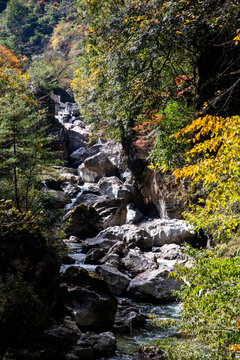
{"x": 214, "y": 160}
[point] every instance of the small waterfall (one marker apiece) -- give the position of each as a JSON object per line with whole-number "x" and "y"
{"x": 163, "y": 209}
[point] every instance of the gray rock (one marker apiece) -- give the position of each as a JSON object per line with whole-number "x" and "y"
{"x": 134, "y": 215}
{"x": 154, "y": 285}
{"x": 110, "y": 260}
{"x": 172, "y": 252}
{"x": 117, "y": 281}
{"x": 103, "y": 344}
{"x": 96, "y": 167}
{"x": 167, "y": 231}
{"x": 94, "y": 255}
{"x": 89, "y": 299}
{"x": 74, "y": 239}
{"x": 75, "y": 140}
{"x": 113, "y": 188}
{"x": 130, "y": 234}
{"x": 59, "y": 337}
{"x": 82, "y": 153}
{"x": 83, "y": 353}
{"x": 61, "y": 197}
{"x": 97, "y": 242}
{"x": 82, "y": 221}
{"x": 136, "y": 262}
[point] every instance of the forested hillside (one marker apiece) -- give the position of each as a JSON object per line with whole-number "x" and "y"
{"x": 162, "y": 78}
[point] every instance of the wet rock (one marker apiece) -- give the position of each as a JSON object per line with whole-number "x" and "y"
{"x": 70, "y": 189}
{"x": 172, "y": 252}
{"x": 136, "y": 262}
{"x": 154, "y": 285}
{"x": 89, "y": 299}
{"x": 119, "y": 248}
{"x": 96, "y": 167}
{"x": 74, "y": 239}
{"x": 97, "y": 242}
{"x": 167, "y": 231}
{"x": 117, "y": 281}
{"x": 128, "y": 318}
{"x": 94, "y": 255}
{"x": 90, "y": 188}
{"x": 103, "y": 344}
{"x": 82, "y": 221}
{"x": 110, "y": 260}
{"x": 113, "y": 188}
{"x": 59, "y": 337}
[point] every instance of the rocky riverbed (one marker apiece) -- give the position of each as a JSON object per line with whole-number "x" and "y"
{"x": 120, "y": 257}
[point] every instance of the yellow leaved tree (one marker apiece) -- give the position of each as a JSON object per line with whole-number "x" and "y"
{"x": 213, "y": 164}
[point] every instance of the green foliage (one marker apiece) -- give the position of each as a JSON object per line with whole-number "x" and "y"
{"x": 210, "y": 308}
{"x": 22, "y": 314}
{"x": 167, "y": 152}
{"x": 27, "y": 26}
{"x": 45, "y": 208}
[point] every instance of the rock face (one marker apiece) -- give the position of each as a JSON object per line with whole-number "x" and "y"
{"x": 154, "y": 285}
{"x": 117, "y": 281}
{"x": 172, "y": 252}
{"x": 89, "y": 299}
{"x": 96, "y": 167}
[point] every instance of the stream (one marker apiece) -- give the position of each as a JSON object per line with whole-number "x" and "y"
{"x": 162, "y": 231}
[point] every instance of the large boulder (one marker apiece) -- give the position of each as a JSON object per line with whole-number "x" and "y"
{"x": 82, "y": 221}
{"x": 60, "y": 337}
{"x": 167, "y": 231}
{"x": 98, "y": 242}
{"x": 117, "y": 281}
{"x": 113, "y": 188}
{"x": 130, "y": 234}
{"x": 61, "y": 197}
{"x": 74, "y": 140}
{"x": 154, "y": 285}
{"x": 136, "y": 262}
{"x": 82, "y": 153}
{"x": 96, "y": 167}
{"x": 112, "y": 212}
{"x": 89, "y": 299}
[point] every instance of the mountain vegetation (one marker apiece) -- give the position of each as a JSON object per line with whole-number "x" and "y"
{"x": 163, "y": 76}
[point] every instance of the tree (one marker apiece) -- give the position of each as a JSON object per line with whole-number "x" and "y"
{"x": 23, "y": 143}
{"x": 213, "y": 165}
